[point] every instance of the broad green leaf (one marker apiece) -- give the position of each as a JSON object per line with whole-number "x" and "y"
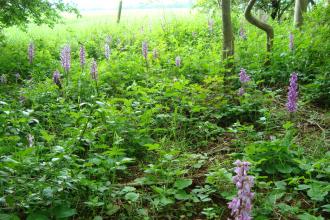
{"x": 9, "y": 217}
{"x": 326, "y": 208}
{"x": 307, "y": 216}
{"x": 182, "y": 183}
{"x": 132, "y": 196}
{"x": 112, "y": 209}
{"x": 181, "y": 195}
{"x": 37, "y": 216}
{"x": 64, "y": 212}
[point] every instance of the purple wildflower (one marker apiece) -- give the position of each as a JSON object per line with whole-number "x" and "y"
{"x": 291, "y": 44}
{"x": 107, "y": 51}
{"x": 241, "y": 205}
{"x": 242, "y": 33}
{"x": 31, "y": 52}
{"x": 293, "y": 93}
{"x": 82, "y": 56}
{"x": 155, "y": 54}
{"x": 57, "y": 78}
{"x": 66, "y": 57}
{"x": 145, "y": 49}
{"x": 178, "y": 61}
{"x": 241, "y": 91}
{"x": 94, "y": 72}
{"x": 243, "y": 76}
{"x": 211, "y": 24}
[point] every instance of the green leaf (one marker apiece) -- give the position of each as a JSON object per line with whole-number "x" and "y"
{"x": 181, "y": 195}
{"x": 98, "y": 218}
{"x": 8, "y": 217}
{"x": 132, "y": 196}
{"x": 152, "y": 146}
{"x": 317, "y": 192}
{"x": 112, "y": 209}
{"x": 182, "y": 183}
{"x": 64, "y": 212}
{"x": 307, "y": 216}
{"x": 326, "y": 208}
{"x": 128, "y": 189}
{"x": 166, "y": 201}
{"x": 37, "y": 216}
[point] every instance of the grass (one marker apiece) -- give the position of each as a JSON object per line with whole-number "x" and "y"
{"x": 158, "y": 141}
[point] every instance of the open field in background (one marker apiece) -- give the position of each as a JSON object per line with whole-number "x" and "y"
{"x": 97, "y": 21}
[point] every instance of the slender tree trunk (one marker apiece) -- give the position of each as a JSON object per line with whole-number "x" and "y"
{"x": 263, "y": 26}
{"x": 299, "y": 9}
{"x": 119, "y": 11}
{"x": 228, "y": 36}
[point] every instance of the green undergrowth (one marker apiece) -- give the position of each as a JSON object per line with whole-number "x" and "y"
{"x": 157, "y": 141}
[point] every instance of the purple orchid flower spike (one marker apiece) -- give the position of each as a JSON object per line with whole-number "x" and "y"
{"x": 243, "y": 76}
{"x": 241, "y": 205}
{"x": 107, "y": 51}
{"x": 293, "y": 93}
{"x": 145, "y": 49}
{"x": 82, "y": 56}
{"x": 291, "y": 43}
{"x": 66, "y": 57}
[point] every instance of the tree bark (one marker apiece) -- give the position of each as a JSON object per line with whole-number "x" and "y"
{"x": 263, "y": 26}
{"x": 228, "y": 36}
{"x": 299, "y": 9}
{"x": 119, "y": 11}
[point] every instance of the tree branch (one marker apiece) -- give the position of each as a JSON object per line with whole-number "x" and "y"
{"x": 263, "y": 26}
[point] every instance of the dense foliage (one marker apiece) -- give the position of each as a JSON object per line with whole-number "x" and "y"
{"x": 21, "y": 12}
{"x": 154, "y": 132}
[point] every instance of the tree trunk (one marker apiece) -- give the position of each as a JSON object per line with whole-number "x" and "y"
{"x": 299, "y": 9}
{"x": 228, "y": 36}
{"x": 119, "y": 11}
{"x": 263, "y": 26}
